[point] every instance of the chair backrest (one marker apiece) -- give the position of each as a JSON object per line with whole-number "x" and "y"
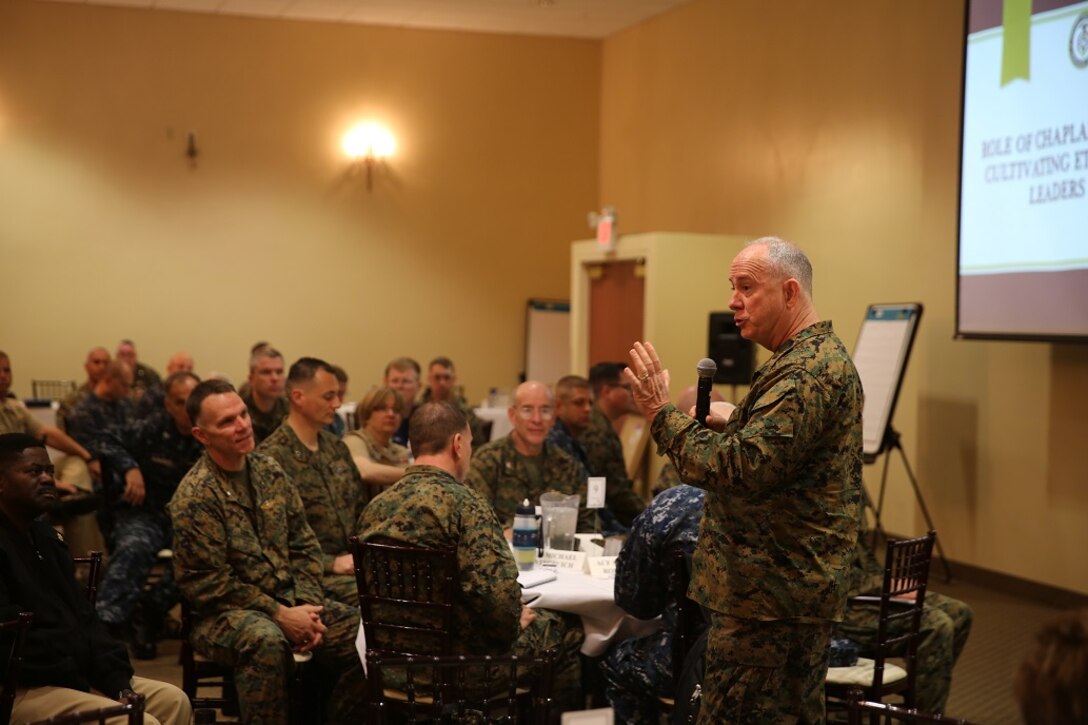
{"x": 503, "y": 688}
{"x": 15, "y": 631}
{"x": 52, "y": 389}
{"x": 132, "y": 710}
{"x": 93, "y": 562}
{"x": 879, "y": 713}
{"x": 902, "y": 599}
{"x": 406, "y": 596}
{"x": 689, "y": 616}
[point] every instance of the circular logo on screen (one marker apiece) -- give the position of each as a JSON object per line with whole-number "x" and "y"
{"x": 1078, "y": 42}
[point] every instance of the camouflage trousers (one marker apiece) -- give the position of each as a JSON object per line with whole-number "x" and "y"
{"x": 764, "y": 673}
{"x": 135, "y": 542}
{"x": 637, "y": 671}
{"x": 341, "y": 588}
{"x": 254, "y": 645}
{"x": 946, "y": 622}
{"x": 563, "y": 633}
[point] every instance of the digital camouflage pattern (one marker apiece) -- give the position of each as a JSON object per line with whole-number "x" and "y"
{"x": 638, "y": 670}
{"x": 332, "y": 493}
{"x": 68, "y": 404}
{"x": 429, "y": 508}
{"x": 764, "y": 672}
{"x": 265, "y": 424}
{"x": 503, "y": 477}
{"x": 604, "y": 457}
{"x": 107, "y": 430}
{"x": 945, "y": 626}
{"x": 783, "y": 485}
{"x": 240, "y": 551}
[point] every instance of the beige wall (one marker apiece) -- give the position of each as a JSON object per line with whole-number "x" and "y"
{"x": 835, "y": 125}
{"x": 107, "y": 233}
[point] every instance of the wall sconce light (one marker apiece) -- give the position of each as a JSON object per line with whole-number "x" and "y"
{"x": 369, "y": 143}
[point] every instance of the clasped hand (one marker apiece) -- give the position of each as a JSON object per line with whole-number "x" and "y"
{"x": 301, "y": 625}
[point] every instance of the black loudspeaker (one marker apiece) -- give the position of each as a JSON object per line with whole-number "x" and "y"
{"x": 734, "y": 355}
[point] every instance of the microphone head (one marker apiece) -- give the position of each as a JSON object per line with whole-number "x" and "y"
{"x": 706, "y": 368}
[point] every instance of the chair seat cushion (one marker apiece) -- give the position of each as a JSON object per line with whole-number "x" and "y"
{"x": 861, "y": 674}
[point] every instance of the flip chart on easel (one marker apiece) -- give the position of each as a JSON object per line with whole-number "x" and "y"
{"x": 881, "y": 356}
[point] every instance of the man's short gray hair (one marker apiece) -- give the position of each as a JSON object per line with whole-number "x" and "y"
{"x": 788, "y": 260}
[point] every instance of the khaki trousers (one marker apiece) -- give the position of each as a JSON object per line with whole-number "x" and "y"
{"x": 165, "y": 704}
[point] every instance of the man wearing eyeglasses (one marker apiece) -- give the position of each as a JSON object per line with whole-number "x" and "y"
{"x": 523, "y": 464}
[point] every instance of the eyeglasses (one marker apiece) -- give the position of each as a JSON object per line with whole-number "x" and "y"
{"x": 526, "y": 412}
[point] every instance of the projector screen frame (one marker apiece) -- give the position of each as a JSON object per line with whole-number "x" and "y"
{"x": 960, "y": 333}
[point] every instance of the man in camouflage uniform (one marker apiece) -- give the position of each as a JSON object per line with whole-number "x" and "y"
{"x": 104, "y": 422}
{"x": 783, "y": 480}
{"x": 165, "y": 450}
{"x": 264, "y": 397}
{"x": 322, "y": 470}
{"x": 250, "y": 566}
{"x": 946, "y": 623}
{"x": 612, "y": 401}
{"x": 431, "y": 507}
{"x": 402, "y": 374}
{"x": 524, "y": 465}
{"x": 639, "y": 670}
{"x": 574, "y": 412}
{"x": 144, "y": 377}
{"x": 442, "y": 387}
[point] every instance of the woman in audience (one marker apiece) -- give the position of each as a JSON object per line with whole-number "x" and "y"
{"x": 1052, "y": 685}
{"x": 378, "y": 458}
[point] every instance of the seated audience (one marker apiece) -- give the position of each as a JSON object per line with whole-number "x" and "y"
{"x": 143, "y": 377}
{"x": 250, "y": 567}
{"x": 264, "y": 398}
{"x": 151, "y": 401}
{"x": 573, "y": 413}
{"x": 946, "y": 622}
{"x": 179, "y": 362}
{"x": 431, "y": 507}
{"x": 380, "y": 459}
{"x": 165, "y": 450}
{"x": 68, "y": 656}
{"x": 639, "y": 670}
{"x": 402, "y": 375}
{"x": 1052, "y": 683}
{"x": 524, "y": 464}
{"x": 322, "y": 471}
{"x": 442, "y": 388}
{"x": 611, "y": 402}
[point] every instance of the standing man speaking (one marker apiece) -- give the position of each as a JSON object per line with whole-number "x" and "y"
{"x": 783, "y": 483}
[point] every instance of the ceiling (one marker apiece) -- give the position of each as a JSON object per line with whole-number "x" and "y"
{"x": 567, "y": 18}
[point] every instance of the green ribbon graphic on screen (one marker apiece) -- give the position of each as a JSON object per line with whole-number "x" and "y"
{"x": 1016, "y": 53}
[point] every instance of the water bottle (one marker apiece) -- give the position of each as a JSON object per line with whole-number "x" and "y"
{"x": 525, "y": 535}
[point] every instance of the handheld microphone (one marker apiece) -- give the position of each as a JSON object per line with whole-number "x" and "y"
{"x": 706, "y": 369}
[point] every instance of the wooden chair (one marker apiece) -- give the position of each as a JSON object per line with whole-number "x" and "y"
{"x": 406, "y": 596}
{"x": 901, "y": 601}
{"x": 133, "y": 710}
{"x": 689, "y": 617}
{"x": 93, "y": 562}
{"x": 17, "y": 628}
{"x": 444, "y": 689}
{"x": 881, "y": 714}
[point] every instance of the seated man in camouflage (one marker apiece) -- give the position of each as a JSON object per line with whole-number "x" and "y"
{"x": 946, "y": 622}
{"x": 442, "y": 388}
{"x": 264, "y": 396}
{"x": 321, "y": 469}
{"x": 431, "y": 507}
{"x": 250, "y": 566}
{"x": 524, "y": 465}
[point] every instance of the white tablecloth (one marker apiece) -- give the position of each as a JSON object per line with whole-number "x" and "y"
{"x": 592, "y": 599}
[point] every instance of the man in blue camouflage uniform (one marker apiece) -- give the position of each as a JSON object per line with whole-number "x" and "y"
{"x": 104, "y": 423}
{"x": 250, "y": 566}
{"x": 431, "y": 507}
{"x": 322, "y": 470}
{"x": 639, "y": 670}
{"x": 946, "y": 623}
{"x": 783, "y": 480}
{"x": 165, "y": 450}
{"x": 524, "y": 465}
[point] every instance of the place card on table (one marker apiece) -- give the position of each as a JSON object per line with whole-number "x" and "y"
{"x": 602, "y": 566}
{"x": 560, "y": 559}
{"x": 595, "y": 492}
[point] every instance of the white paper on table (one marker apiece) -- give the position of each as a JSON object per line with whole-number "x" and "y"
{"x": 535, "y": 577}
{"x": 595, "y": 492}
